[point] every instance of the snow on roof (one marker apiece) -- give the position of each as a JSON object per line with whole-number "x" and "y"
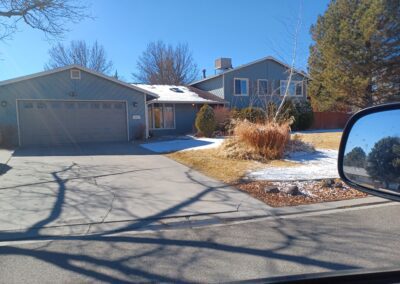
{"x": 178, "y": 94}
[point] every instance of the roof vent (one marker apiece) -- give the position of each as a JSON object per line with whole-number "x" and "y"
{"x": 75, "y": 74}
{"x": 176, "y": 90}
{"x": 223, "y": 64}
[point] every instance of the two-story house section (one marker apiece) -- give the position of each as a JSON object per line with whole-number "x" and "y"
{"x": 253, "y": 84}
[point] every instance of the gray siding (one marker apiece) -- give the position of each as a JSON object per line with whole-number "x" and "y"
{"x": 266, "y": 69}
{"x": 214, "y": 86}
{"x": 223, "y": 86}
{"x": 58, "y": 86}
{"x": 185, "y": 115}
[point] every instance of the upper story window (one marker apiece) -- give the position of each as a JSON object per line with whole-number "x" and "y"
{"x": 262, "y": 85}
{"x": 295, "y": 88}
{"x": 241, "y": 87}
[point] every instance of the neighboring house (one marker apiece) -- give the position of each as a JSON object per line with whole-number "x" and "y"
{"x": 253, "y": 84}
{"x": 175, "y": 109}
{"x": 73, "y": 104}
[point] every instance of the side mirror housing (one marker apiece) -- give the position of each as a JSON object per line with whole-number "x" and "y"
{"x": 369, "y": 153}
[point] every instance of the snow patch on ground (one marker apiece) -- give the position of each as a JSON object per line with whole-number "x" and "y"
{"x": 183, "y": 144}
{"x": 317, "y": 165}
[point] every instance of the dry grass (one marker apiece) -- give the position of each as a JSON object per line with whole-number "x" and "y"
{"x": 211, "y": 164}
{"x": 231, "y": 162}
{"x": 325, "y": 140}
{"x": 258, "y": 141}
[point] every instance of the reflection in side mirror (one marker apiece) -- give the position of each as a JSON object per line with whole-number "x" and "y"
{"x": 369, "y": 156}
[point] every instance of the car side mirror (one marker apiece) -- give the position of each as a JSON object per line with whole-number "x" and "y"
{"x": 369, "y": 153}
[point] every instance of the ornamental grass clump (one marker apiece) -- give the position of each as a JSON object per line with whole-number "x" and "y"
{"x": 260, "y": 141}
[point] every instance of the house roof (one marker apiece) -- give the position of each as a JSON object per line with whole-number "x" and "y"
{"x": 248, "y": 64}
{"x": 74, "y": 66}
{"x": 181, "y": 94}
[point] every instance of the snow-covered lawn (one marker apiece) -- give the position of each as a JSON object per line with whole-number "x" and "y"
{"x": 183, "y": 144}
{"x": 318, "y": 165}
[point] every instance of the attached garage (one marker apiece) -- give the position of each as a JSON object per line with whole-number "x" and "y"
{"x": 71, "y": 105}
{"x": 56, "y": 122}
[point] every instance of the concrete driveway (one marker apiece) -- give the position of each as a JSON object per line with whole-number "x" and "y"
{"x": 119, "y": 184}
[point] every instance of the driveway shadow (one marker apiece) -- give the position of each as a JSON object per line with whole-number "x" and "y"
{"x": 177, "y": 144}
{"x": 4, "y": 168}
{"x": 88, "y": 149}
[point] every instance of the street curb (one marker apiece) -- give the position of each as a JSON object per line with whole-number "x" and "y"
{"x": 184, "y": 222}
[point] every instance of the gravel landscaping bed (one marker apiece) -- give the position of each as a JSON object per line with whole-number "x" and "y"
{"x": 292, "y": 193}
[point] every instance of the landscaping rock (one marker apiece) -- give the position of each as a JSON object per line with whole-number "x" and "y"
{"x": 338, "y": 184}
{"x": 292, "y": 190}
{"x": 327, "y": 182}
{"x": 271, "y": 189}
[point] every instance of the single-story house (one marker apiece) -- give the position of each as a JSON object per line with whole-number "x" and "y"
{"x": 75, "y": 105}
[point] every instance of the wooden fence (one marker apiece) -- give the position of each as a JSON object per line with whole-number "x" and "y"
{"x": 330, "y": 120}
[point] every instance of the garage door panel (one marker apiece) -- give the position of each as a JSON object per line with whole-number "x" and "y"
{"x": 66, "y": 122}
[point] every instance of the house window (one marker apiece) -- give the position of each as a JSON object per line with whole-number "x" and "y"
{"x": 295, "y": 88}
{"x": 241, "y": 87}
{"x": 75, "y": 74}
{"x": 262, "y": 86}
{"x": 161, "y": 116}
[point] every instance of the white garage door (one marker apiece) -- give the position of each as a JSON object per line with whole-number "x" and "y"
{"x": 70, "y": 122}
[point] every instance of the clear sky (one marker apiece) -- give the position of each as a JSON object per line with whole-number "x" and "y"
{"x": 372, "y": 128}
{"x": 244, "y": 30}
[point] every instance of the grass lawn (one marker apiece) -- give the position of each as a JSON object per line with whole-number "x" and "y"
{"x": 227, "y": 170}
{"x": 325, "y": 140}
{"x": 232, "y": 170}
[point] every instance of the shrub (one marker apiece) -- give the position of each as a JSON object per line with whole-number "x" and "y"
{"x": 265, "y": 140}
{"x": 222, "y": 118}
{"x": 252, "y": 114}
{"x": 300, "y": 112}
{"x": 305, "y": 115}
{"x": 205, "y": 121}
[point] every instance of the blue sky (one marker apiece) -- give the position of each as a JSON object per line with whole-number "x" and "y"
{"x": 243, "y": 30}
{"x": 372, "y": 128}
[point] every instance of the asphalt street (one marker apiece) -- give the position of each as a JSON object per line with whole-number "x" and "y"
{"x": 361, "y": 237}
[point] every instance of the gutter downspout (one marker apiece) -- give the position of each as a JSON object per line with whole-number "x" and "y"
{"x": 146, "y": 116}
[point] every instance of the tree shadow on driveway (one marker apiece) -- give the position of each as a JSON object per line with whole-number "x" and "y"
{"x": 81, "y": 256}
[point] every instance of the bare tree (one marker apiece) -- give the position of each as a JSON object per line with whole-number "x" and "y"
{"x": 292, "y": 65}
{"x": 166, "y": 64}
{"x": 78, "y": 52}
{"x": 49, "y": 16}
